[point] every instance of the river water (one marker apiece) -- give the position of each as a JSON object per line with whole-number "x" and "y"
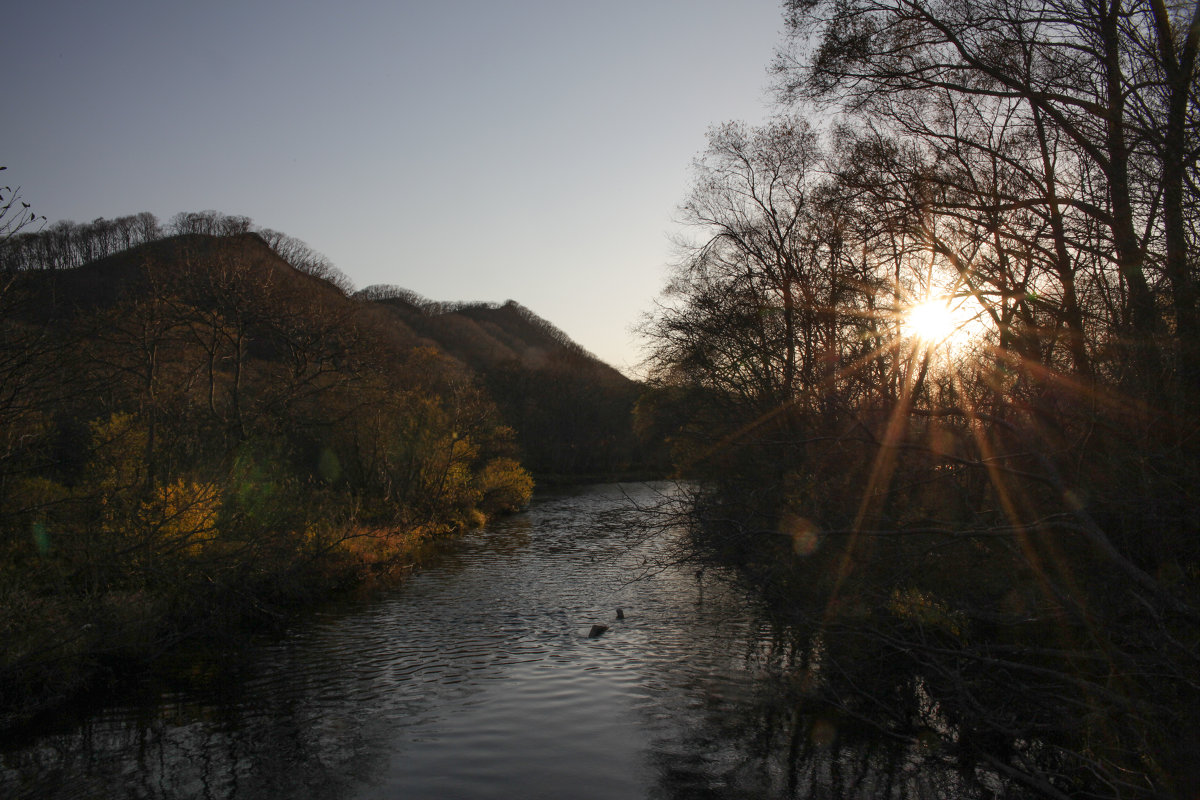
{"x": 476, "y": 678}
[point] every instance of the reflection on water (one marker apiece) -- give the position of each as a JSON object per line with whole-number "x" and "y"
{"x": 476, "y": 679}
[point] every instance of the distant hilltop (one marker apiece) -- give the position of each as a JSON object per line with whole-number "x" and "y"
{"x": 485, "y": 335}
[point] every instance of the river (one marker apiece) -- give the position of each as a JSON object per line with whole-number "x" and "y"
{"x": 476, "y": 678}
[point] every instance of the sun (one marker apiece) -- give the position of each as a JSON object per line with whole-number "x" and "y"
{"x": 931, "y": 322}
{"x": 947, "y": 323}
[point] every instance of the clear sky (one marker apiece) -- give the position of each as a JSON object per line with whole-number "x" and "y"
{"x": 533, "y": 150}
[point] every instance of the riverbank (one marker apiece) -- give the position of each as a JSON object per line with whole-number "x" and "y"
{"x": 64, "y": 641}
{"x": 1023, "y": 652}
{"x": 568, "y": 480}
{"x": 477, "y": 678}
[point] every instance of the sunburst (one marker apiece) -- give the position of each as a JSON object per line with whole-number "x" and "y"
{"x": 931, "y": 322}
{"x": 940, "y": 322}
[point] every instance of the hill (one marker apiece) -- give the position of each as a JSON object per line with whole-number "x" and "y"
{"x": 198, "y": 434}
{"x": 486, "y": 335}
{"x": 571, "y": 413}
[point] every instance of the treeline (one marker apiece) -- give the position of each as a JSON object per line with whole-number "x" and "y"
{"x": 434, "y": 308}
{"x": 993, "y": 528}
{"x": 67, "y": 244}
{"x": 193, "y": 433}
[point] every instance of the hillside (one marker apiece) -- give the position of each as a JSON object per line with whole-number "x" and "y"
{"x": 196, "y": 436}
{"x": 487, "y": 335}
{"x": 571, "y": 413}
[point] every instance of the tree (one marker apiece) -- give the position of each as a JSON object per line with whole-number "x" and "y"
{"x": 1086, "y": 80}
{"x": 209, "y": 223}
{"x": 15, "y": 214}
{"x": 29, "y": 372}
{"x": 768, "y": 301}
{"x": 1018, "y": 160}
{"x": 305, "y": 259}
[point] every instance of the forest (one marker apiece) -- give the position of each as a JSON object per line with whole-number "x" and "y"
{"x": 931, "y": 355}
{"x": 204, "y": 429}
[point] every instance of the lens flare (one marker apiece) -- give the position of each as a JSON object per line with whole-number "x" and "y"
{"x": 930, "y": 322}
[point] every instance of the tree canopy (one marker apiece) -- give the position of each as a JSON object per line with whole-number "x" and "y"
{"x": 1030, "y": 171}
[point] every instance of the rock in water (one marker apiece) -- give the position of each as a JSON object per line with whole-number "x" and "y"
{"x": 620, "y": 614}
{"x": 597, "y": 630}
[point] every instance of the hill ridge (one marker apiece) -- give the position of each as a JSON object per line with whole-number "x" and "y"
{"x": 572, "y": 412}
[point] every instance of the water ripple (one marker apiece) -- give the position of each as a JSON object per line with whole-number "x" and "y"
{"x": 476, "y": 678}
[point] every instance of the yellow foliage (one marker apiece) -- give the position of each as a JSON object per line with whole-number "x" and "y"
{"x": 504, "y": 486}
{"x": 446, "y": 476}
{"x": 182, "y": 515}
{"x": 379, "y": 547}
{"x": 120, "y": 452}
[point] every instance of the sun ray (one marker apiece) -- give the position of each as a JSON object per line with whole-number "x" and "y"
{"x": 930, "y": 322}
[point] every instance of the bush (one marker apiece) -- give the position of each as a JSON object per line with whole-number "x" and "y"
{"x": 504, "y": 486}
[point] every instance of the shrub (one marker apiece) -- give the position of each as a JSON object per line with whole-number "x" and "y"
{"x": 504, "y": 486}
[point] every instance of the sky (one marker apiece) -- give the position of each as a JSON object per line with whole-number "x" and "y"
{"x": 534, "y": 150}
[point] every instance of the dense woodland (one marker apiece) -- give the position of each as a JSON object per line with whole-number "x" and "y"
{"x": 989, "y": 534}
{"x": 203, "y": 427}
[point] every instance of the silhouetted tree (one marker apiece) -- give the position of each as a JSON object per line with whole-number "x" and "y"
{"x": 305, "y": 259}
{"x": 15, "y": 213}
{"x": 209, "y": 223}
{"x": 945, "y": 505}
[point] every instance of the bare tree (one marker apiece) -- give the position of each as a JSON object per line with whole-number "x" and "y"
{"x": 1087, "y": 79}
{"x": 15, "y": 213}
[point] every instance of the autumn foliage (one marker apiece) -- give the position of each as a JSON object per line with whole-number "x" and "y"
{"x": 194, "y": 433}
